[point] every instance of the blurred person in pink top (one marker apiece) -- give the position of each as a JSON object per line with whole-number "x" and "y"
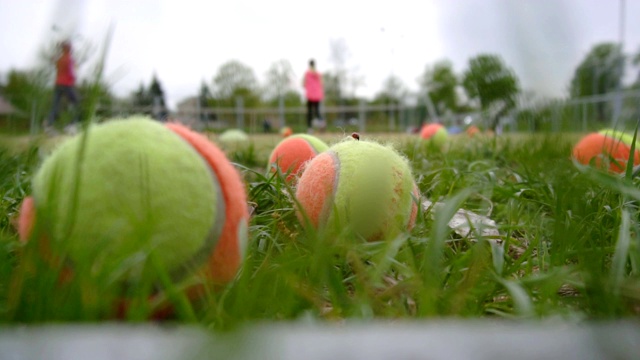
{"x": 65, "y": 84}
{"x": 314, "y": 92}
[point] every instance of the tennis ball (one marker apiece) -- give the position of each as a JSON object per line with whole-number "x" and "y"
{"x": 435, "y": 134}
{"x": 624, "y": 137}
{"x": 607, "y": 149}
{"x": 286, "y": 131}
{"x": 472, "y": 131}
{"x": 362, "y": 185}
{"x": 233, "y": 139}
{"x": 135, "y": 189}
{"x": 292, "y": 153}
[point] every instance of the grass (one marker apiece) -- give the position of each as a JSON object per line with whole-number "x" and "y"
{"x": 570, "y": 247}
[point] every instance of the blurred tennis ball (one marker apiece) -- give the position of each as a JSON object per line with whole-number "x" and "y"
{"x": 133, "y": 196}
{"x": 286, "y": 131}
{"x": 290, "y": 155}
{"x": 233, "y": 139}
{"x": 360, "y": 185}
{"x": 435, "y": 134}
{"x": 607, "y": 149}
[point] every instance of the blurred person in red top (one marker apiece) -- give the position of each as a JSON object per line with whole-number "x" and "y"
{"x": 314, "y": 92}
{"x": 65, "y": 84}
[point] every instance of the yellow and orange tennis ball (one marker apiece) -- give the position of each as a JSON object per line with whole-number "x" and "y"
{"x": 286, "y": 131}
{"x": 135, "y": 189}
{"x": 359, "y": 186}
{"x": 435, "y": 134}
{"x": 608, "y": 149}
{"x": 290, "y": 155}
{"x": 472, "y": 131}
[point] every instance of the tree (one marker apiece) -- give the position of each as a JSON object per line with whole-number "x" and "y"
{"x": 342, "y": 82}
{"x": 393, "y": 91}
{"x": 279, "y": 90}
{"x": 98, "y": 92}
{"x": 332, "y": 91}
{"x": 28, "y": 91}
{"x": 440, "y": 83}
{"x": 150, "y": 100}
{"x": 19, "y": 90}
{"x": 156, "y": 94}
{"x": 492, "y": 84}
{"x": 235, "y": 79}
{"x": 279, "y": 81}
{"x": 141, "y": 99}
{"x": 599, "y": 73}
{"x": 290, "y": 99}
{"x": 339, "y": 54}
{"x": 204, "y": 97}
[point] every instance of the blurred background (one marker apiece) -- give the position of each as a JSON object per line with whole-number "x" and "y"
{"x": 513, "y": 66}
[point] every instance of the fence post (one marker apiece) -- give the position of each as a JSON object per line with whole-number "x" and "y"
{"x": 362, "y": 116}
{"x": 392, "y": 122}
{"x": 253, "y": 123}
{"x": 198, "y": 113}
{"x": 584, "y": 116}
{"x": 239, "y": 112}
{"x": 34, "y": 122}
{"x": 281, "y": 110}
{"x": 617, "y": 108}
{"x": 532, "y": 123}
{"x": 431, "y": 108}
{"x": 402, "y": 115}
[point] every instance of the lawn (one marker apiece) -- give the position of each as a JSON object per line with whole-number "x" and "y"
{"x": 569, "y": 245}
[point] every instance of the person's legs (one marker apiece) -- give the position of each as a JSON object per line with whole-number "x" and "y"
{"x": 316, "y": 110}
{"x": 309, "y": 113}
{"x": 71, "y": 95}
{"x": 55, "y": 108}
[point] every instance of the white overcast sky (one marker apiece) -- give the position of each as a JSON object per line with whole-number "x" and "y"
{"x": 186, "y": 41}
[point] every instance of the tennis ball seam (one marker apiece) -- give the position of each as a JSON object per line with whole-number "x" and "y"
{"x": 200, "y": 256}
{"x": 227, "y": 256}
{"x": 371, "y": 190}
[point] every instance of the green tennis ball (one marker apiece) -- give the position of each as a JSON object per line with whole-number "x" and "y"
{"x": 293, "y": 152}
{"x": 233, "y": 139}
{"x": 132, "y": 196}
{"x": 362, "y": 185}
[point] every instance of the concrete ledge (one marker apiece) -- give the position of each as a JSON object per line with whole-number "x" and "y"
{"x": 449, "y": 340}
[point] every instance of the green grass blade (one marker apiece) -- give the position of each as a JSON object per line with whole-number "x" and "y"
{"x": 621, "y": 253}
{"x": 632, "y": 158}
{"x": 433, "y": 265}
{"x": 497, "y": 255}
{"x": 521, "y": 299}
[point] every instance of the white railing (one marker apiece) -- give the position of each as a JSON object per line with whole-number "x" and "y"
{"x": 607, "y": 110}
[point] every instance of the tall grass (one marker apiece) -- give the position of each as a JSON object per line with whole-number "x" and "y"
{"x": 569, "y": 248}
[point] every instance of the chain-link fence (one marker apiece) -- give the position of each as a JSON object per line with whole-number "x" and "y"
{"x": 620, "y": 110}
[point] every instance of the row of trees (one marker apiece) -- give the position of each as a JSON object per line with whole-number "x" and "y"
{"x": 488, "y": 84}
